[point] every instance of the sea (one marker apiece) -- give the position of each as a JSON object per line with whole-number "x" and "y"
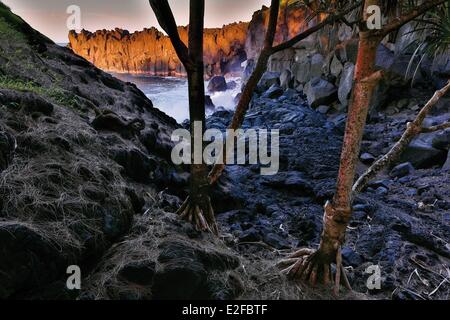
{"x": 170, "y": 94}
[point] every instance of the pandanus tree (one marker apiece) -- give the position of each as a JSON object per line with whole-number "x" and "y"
{"x": 197, "y": 207}
{"x": 314, "y": 265}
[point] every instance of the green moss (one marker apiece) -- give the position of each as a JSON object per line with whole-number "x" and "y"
{"x": 8, "y": 33}
{"x": 55, "y": 94}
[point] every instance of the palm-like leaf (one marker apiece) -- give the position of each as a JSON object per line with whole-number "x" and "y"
{"x": 433, "y": 37}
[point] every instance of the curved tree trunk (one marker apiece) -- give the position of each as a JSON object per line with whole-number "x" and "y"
{"x": 338, "y": 213}
{"x": 247, "y": 93}
{"x": 242, "y": 107}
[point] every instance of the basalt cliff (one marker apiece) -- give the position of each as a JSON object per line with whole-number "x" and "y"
{"x": 150, "y": 51}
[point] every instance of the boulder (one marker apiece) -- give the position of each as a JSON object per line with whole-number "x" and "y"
{"x": 184, "y": 271}
{"x": 441, "y": 140}
{"x": 301, "y": 72}
{"x": 367, "y": 158}
{"x": 351, "y": 258}
{"x": 286, "y": 79}
{"x": 446, "y": 165}
{"x": 422, "y": 154}
{"x": 29, "y": 102}
{"x": 292, "y": 180}
{"x": 347, "y": 51}
{"x": 137, "y": 165}
{"x": 250, "y": 235}
{"x": 402, "y": 170}
{"x": 323, "y": 109}
{"x": 336, "y": 67}
{"x": 217, "y": 83}
{"x": 290, "y": 94}
{"x": 231, "y": 85}
{"x": 209, "y": 104}
{"x": 273, "y": 92}
{"x": 346, "y": 83}
{"x": 345, "y": 32}
{"x": 307, "y": 67}
{"x": 276, "y": 241}
{"x": 267, "y": 80}
{"x": 385, "y": 57}
{"x": 440, "y": 69}
{"x": 317, "y": 61}
{"x": 28, "y": 259}
{"x": 319, "y": 91}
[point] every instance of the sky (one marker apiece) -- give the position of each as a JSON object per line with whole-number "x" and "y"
{"x": 50, "y": 16}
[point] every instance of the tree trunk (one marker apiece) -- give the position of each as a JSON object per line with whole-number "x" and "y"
{"x": 338, "y": 213}
{"x": 242, "y": 107}
{"x": 306, "y": 263}
{"x": 199, "y": 171}
{"x": 197, "y": 208}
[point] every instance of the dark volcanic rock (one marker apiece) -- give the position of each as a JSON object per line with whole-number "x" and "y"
{"x": 422, "y": 154}
{"x": 267, "y": 80}
{"x": 442, "y": 140}
{"x": 65, "y": 199}
{"x": 367, "y": 158}
{"x": 231, "y": 85}
{"x": 136, "y": 163}
{"x": 319, "y": 91}
{"x": 401, "y": 170}
{"x": 28, "y": 259}
{"x": 29, "y": 102}
{"x": 209, "y": 104}
{"x": 217, "y": 83}
{"x": 273, "y": 92}
{"x": 7, "y": 146}
{"x": 139, "y": 272}
{"x": 184, "y": 272}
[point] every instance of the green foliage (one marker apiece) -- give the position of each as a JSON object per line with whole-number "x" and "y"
{"x": 7, "y": 33}
{"x": 432, "y": 36}
{"x": 55, "y": 94}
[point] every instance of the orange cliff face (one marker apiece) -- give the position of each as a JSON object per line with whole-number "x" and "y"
{"x": 151, "y": 52}
{"x": 292, "y": 20}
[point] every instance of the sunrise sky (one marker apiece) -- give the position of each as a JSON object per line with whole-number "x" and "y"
{"x": 49, "y": 16}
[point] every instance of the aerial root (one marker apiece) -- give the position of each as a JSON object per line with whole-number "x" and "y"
{"x": 202, "y": 217}
{"x": 309, "y": 266}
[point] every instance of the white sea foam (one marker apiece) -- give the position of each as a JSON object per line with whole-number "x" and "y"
{"x": 170, "y": 94}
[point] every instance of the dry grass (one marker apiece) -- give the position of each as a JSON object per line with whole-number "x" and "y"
{"x": 60, "y": 183}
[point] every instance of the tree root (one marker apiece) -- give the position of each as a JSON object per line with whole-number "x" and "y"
{"x": 309, "y": 265}
{"x": 200, "y": 214}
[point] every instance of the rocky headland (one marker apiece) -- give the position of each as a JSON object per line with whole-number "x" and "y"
{"x": 150, "y": 51}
